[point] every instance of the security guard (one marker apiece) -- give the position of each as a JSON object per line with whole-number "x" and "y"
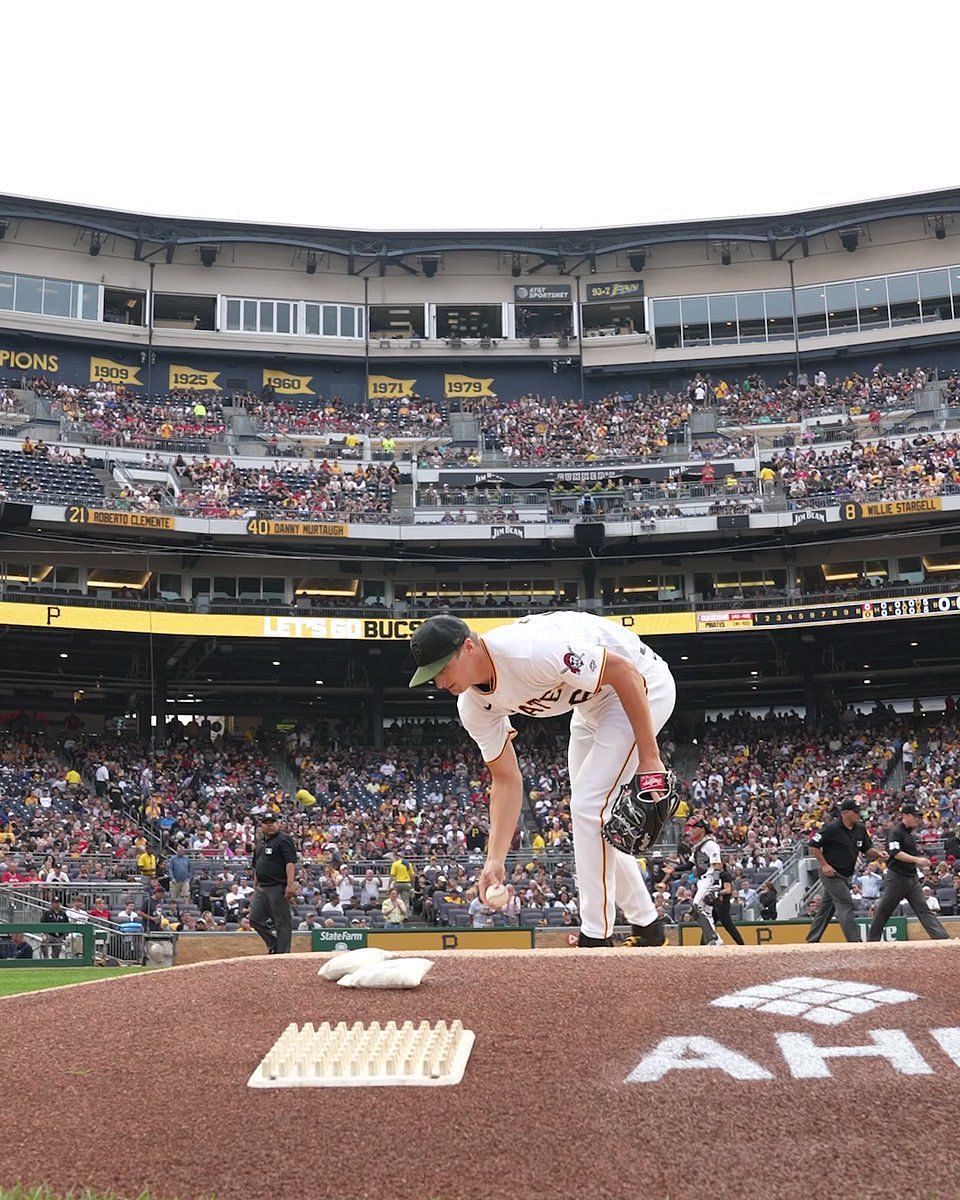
{"x": 56, "y": 914}
{"x": 902, "y": 880}
{"x": 836, "y": 847}
{"x": 274, "y": 864}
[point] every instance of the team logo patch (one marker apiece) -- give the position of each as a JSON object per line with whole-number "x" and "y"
{"x": 573, "y": 662}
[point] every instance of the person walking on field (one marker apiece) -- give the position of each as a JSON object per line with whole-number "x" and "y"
{"x": 620, "y": 693}
{"x": 274, "y": 867}
{"x": 836, "y": 847}
{"x": 902, "y": 880}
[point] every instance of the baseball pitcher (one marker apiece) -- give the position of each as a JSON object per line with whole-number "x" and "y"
{"x": 620, "y": 694}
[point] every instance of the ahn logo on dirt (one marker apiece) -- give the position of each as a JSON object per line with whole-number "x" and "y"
{"x": 793, "y": 1055}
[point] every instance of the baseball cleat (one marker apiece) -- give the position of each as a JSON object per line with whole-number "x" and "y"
{"x": 653, "y": 934}
{"x": 584, "y": 940}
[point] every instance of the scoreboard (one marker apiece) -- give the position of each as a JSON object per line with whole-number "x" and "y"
{"x": 842, "y": 612}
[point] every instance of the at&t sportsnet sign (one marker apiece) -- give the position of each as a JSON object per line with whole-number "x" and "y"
{"x": 542, "y": 293}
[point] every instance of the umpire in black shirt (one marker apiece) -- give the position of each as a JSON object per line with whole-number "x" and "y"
{"x": 901, "y": 881}
{"x": 274, "y": 863}
{"x": 836, "y": 846}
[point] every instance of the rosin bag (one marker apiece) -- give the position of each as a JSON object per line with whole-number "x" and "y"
{"x": 399, "y": 973}
{"x": 348, "y": 961}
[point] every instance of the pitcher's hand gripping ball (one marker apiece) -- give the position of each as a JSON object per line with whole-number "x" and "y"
{"x": 497, "y": 895}
{"x": 640, "y": 812}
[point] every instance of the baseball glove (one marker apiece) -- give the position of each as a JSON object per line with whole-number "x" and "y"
{"x": 640, "y": 812}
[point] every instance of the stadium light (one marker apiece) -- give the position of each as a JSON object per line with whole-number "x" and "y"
{"x": 515, "y": 266}
{"x": 208, "y": 254}
{"x": 939, "y": 229}
{"x": 311, "y": 262}
{"x": 725, "y": 256}
{"x": 95, "y": 243}
{"x": 849, "y": 239}
{"x": 429, "y": 264}
{"x": 637, "y": 260}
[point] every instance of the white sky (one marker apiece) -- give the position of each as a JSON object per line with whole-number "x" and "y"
{"x": 497, "y": 114}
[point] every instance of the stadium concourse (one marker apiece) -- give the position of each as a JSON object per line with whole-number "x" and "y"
{"x": 659, "y": 1073}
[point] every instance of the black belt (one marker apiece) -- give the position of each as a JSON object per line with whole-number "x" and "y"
{"x": 266, "y": 885}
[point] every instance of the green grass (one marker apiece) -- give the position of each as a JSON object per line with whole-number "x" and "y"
{"x": 34, "y": 979}
{"x": 44, "y": 1193}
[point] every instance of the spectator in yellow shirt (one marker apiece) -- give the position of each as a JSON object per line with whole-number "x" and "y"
{"x": 147, "y": 864}
{"x": 306, "y": 799}
{"x": 72, "y": 777}
{"x": 401, "y": 873}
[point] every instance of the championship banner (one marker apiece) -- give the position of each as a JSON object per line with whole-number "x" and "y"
{"x": 189, "y": 379}
{"x": 288, "y": 385}
{"x": 261, "y": 527}
{"x": 77, "y": 515}
{"x": 457, "y": 386}
{"x": 626, "y": 289}
{"x": 384, "y": 387}
{"x": 889, "y": 508}
{"x": 104, "y": 370}
{"x": 26, "y": 360}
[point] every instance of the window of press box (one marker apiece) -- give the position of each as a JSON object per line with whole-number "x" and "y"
{"x": 174, "y": 311}
{"x": 170, "y": 587}
{"x": 544, "y": 320}
{"x": 333, "y": 320}
{"x": 725, "y": 585}
{"x": 121, "y": 307}
{"x": 939, "y": 568}
{"x": 613, "y": 320}
{"x": 389, "y": 322}
{"x": 469, "y": 320}
{"x": 836, "y": 575}
{"x": 641, "y": 589}
{"x": 25, "y": 573}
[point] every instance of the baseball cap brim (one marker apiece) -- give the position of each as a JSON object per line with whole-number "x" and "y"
{"x": 425, "y": 674}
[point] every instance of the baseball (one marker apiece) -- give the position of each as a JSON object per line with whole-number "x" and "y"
{"x": 497, "y": 895}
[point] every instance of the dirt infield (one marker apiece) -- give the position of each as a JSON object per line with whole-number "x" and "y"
{"x": 141, "y": 1081}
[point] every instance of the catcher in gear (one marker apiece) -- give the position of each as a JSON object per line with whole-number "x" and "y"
{"x": 620, "y": 694}
{"x": 708, "y": 864}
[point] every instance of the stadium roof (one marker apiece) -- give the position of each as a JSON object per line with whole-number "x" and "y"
{"x": 556, "y": 248}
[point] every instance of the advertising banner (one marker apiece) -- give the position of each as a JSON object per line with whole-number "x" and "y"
{"x": 542, "y": 293}
{"x": 625, "y": 289}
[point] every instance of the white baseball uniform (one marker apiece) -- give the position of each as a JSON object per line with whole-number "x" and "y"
{"x": 708, "y": 863}
{"x": 551, "y": 664}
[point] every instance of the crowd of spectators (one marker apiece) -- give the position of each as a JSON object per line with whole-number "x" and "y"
{"x": 411, "y": 817}
{"x": 924, "y": 464}
{"x": 752, "y": 401}
{"x": 314, "y": 490}
{"x": 535, "y": 430}
{"x": 121, "y": 417}
{"x": 416, "y": 417}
